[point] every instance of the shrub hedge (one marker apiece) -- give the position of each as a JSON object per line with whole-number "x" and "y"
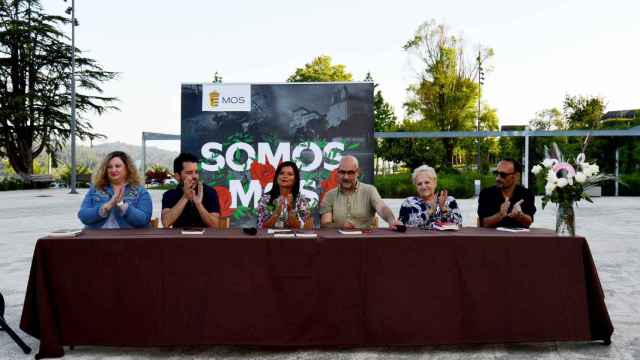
{"x": 458, "y": 184}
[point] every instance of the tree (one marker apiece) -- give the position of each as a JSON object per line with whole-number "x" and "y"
{"x": 584, "y": 112}
{"x": 446, "y": 93}
{"x": 549, "y": 119}
{"x": 35, "y": 68}
{"x": 321, "y": 70}
{"x": 413, "y": 152}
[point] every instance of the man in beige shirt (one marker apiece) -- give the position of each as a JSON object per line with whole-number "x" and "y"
{"x": 352, "y": 204}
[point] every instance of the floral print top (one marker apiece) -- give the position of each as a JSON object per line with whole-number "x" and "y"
{"x": 266, "y": 210}
{"x": 415, "y": 212}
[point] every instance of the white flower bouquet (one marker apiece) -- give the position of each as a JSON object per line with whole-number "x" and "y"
{"x": 567, "y": 183}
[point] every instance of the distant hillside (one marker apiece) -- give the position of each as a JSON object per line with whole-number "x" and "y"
{"x": 91, "y": 156}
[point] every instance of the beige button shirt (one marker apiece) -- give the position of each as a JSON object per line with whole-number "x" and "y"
{"x": 358, "y": 206}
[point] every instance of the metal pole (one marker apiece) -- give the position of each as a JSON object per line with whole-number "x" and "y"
{"x": 617, "y": 168}
{"x": 73, "y": 98}
{"x": 144, "y": 154}
{"x": 479, "y": 97}
{"x": 525, "y": 175}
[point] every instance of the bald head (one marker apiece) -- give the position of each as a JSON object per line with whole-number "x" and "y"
{"x": 349, "y": 161}
{"x": 348, "y": 171}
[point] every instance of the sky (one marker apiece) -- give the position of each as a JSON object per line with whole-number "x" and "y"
{"x": 543, "y": 50}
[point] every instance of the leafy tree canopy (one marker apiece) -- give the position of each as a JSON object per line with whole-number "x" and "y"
{"x": 321, "y": 70}
{"x": 35, "y": 91}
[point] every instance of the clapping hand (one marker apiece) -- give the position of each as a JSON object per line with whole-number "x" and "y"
{"x": 285, "y": 203}
{"x": 442, "y": 199}
{"x": 188, "y": 188}
{"x": 117, "y": 197}
{"x": 197, "y": 198}
{"x": 517, "y": 209}
{"x": 504, "y": 208}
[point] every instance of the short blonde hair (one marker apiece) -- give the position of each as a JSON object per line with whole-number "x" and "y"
{"x": 101, "y": 177}
{"x": 423, "y": 169}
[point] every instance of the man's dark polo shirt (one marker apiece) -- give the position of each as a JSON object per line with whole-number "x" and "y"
{"x": 190, "y": 216}
{"x": 491, "y": 199}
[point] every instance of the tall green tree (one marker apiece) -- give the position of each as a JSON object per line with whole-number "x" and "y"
{"x": 584, "y": 112}
{"x": 413, "y": 152}
{"x": 35, "y": 72}
{"x": 321, "y": 70}
{"x": 446, "y": 94}
{"x": 549, "y": 119}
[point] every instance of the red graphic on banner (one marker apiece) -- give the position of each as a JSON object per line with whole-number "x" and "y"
{"x": 262, "y": 172}
{"x": 329, "y": 183}
{"x": 224, "y": 197}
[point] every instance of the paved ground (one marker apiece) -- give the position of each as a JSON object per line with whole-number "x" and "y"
{"x": 611, "y": 225}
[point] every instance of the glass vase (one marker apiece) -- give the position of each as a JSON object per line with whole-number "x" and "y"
{"x": 565, "y": 220}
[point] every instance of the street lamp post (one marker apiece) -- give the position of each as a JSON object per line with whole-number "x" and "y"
{"x": 73, "y": 97}
{"x": 480, "y": 82}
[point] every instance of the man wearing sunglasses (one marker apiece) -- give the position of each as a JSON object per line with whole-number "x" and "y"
{"x": 507, "y": 204}
{"x": 353, "y": 204}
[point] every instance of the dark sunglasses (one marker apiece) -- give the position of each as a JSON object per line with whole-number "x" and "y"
{"x": 502, "y": 174}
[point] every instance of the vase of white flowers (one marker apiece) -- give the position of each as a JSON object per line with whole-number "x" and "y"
{"x": 565, "y": 220}
{"x": 566, "y": 184}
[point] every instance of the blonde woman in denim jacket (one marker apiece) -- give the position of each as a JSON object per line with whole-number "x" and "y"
{"x": 117, "y": 199}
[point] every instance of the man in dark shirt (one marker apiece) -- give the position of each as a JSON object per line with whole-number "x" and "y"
{"x": 506, "y": 204}
{"x": 191, "y": 203}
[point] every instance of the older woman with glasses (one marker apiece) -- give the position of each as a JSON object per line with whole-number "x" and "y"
{"x": 428, "y": 207}
{"x": 116, "y": 199}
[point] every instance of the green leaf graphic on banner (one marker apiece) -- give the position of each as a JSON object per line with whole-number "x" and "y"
{"x": 353, "y": 146}
{"x": 272, "y": 139}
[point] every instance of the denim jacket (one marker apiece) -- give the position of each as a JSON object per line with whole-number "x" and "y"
{"x": 137, "y": 214}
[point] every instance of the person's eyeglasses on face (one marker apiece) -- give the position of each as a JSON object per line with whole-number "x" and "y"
{"x": 502, "y": 174}
{"x": 343, "y": 172}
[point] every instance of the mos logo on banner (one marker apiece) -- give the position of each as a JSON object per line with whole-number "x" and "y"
{"x": 214, "y": 99}
{"x": 219, "y": 97}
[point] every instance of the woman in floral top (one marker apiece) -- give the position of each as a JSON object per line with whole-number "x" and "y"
{"x": 284, "y": 206}
{"x": 427, "y": 208}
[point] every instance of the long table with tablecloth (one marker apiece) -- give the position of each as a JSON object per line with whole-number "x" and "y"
{"x": 158, "y": 287}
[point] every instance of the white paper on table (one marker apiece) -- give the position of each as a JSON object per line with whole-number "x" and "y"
{"x": 350, "y": 232}
{"x": 512, "y": 229}
{"x": 284, "y": 235}
{"x": 64, "y": 232}
{"x": 307, "y": 235}
{"x": 274, "y": 231}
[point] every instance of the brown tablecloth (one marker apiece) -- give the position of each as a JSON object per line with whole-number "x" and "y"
{"x": 158, "y": 287}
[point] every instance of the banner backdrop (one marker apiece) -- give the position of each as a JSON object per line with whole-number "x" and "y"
{"x": 241, "y": 132}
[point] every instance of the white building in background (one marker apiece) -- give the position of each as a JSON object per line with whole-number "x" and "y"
{"x": 301, "y": 116}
